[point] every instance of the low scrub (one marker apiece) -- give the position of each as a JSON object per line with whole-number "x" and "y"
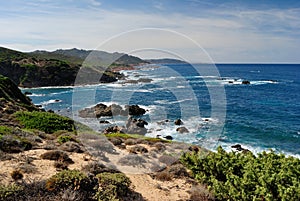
{"x": 112, "y": 186}
{"x": 44, "y": 121}
{"x": 244, "y": 176}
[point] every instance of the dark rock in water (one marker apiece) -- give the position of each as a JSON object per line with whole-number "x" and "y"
{"x": 245, "y": 82}
{"x": 145, "y": 80}
{"x": 168, "y": 137}
{"x": 136, "y": 126}
{"x": 178, "y": 122}
{"x": 38, "y": 105}
{"x": 27, "y": 93}
{"x": 51, "y": 111}
{"x": 56, "y": 100}
{"x": 239, "y": 147}
{"x": 104, "y": 122}
{"x": 134, "y": 110}
{"x": 102, "y": 110}
{"x": 182, "y": 130}
{"x": 230, "y": 82}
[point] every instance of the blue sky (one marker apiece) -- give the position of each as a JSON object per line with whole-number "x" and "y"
{"x": 248, "y": 31}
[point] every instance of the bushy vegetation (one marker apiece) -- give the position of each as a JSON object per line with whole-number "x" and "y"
{"x": 73, "y": 179}
{"x": 135, "y": 136}
{"x": 66, "y": 138}
{"x": 244, "y": 176}
{"x": 44, "y": 121}
{"x": 4, "y": 130}
{"x": 112, "y": 186}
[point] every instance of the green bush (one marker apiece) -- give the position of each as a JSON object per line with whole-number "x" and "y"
{"x": 65, "y": 138}
{"x": 4, "y": 130}
{"x": 8, "y": 190}
{"x": 69, "y": 179}
{"x": 244, "y": 176}
{"x": 112, "y": 186}
{"x": 44, "y": 121}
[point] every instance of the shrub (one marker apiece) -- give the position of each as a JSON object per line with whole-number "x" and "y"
{"x": 97, "y": 168}
{"x": 112, "y": 186}
{"x": 8, "y": 190}
{"x": 4, "y": 130}
{"x": 73, "y": 179}
{"x": 44, "y": 121}
{"x": 244, "y": 176}
{"x": 164, "y": 176}
{"x": 65, "y": 138}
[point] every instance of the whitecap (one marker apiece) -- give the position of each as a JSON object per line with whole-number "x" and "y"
{"x": 52, "y": 101}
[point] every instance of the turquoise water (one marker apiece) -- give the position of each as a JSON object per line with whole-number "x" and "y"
{"x": 214, "y": 105}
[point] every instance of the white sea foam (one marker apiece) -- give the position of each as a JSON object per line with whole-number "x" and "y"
{"x": 36, "y": 95}
{"x": 52, "y": 101}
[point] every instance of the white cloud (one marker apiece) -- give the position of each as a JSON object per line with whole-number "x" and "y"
{"x": 95, "y": 3}
{"x": 236, "y": 38}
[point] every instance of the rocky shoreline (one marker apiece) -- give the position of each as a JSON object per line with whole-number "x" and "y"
{"x": 38, "y": 147}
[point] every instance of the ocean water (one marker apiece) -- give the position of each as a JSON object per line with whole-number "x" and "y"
{"x": 211, "y": 100}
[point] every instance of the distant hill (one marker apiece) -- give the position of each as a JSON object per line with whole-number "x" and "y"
{"x": 60, "y": 67}
{"x": 79, "y": 55}
{"x": 165, "y": 61}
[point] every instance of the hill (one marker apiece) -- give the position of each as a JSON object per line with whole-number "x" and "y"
{"x": 166, "y": 61}
{"x": 60, "y": 68}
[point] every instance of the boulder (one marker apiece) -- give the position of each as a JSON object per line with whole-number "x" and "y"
{"x": 168, "y": 137}
{"x": 136, "y": 126}
{"x": 239, "y": 147}
{"x": 113, "y": 129}
{"x": 102, "y": 110}
{"x": 104, "y": 122}
{"x": 178, "y": 122}
{"x": 134, "y": 110}
{"x": 182, "y": 130}
{"x": 71, "y": 147}
{"x": 245, "y": 82}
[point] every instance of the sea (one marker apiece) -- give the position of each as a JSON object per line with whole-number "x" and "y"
{"x": 254, "y": 105}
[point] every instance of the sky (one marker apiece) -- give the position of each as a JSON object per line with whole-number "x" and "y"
{"x": 240, "y": 31}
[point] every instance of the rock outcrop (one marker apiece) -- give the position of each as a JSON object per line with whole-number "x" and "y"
{"x": 102, "y": 110}
{"x": 182, "y": 130}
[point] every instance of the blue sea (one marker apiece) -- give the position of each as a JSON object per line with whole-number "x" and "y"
{"x": 211, "y": 100}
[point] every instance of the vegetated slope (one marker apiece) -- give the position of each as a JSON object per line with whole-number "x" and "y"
{"x": 60, "y": 68}
{"x": 12, "y": 100}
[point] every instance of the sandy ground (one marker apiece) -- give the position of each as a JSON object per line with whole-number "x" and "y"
{"x": 154, "y": 190}
{"x": 151, "y": 189}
